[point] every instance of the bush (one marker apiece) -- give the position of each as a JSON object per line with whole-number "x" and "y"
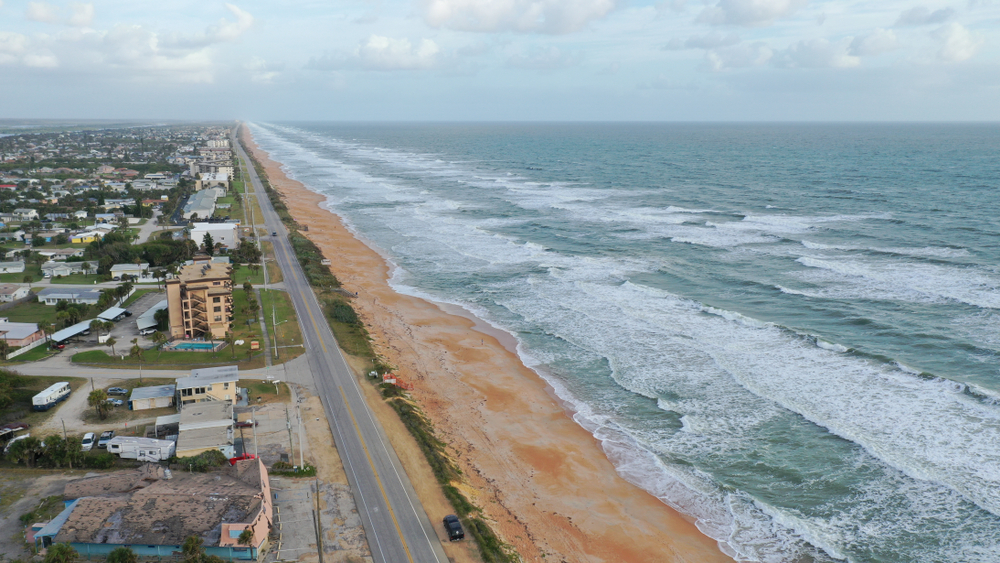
{"x": 205, "y": 461}
{"x": 288, "y": 470}
{"x": 99, "y": 461}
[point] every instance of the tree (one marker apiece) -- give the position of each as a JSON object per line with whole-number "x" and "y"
{"x": 122, "y": 555}
{"x": 111, "y": 343}
{"x": 192, "y": 550}
{"x": 246, "y": 537}
{"x": 49, "y": 329}
{"x": 60, "y": 553}
{"x": 98, "y": 399}
{"x": 28, "y": 279}
{"x": 247, "y": 287}
{"x": 97, "y": 325}
{"x": 25, "y": 450}
{"x": 159, "y": 339}
{"x": 4, "y": 349}
{"x": 86, "y": 268}
{"x": 208, "y": 243}
{"x": 135, "y": 351}
{"x": 230, "y": 339}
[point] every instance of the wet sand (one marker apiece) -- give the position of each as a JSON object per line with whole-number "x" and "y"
{"x": 540, "y": 478}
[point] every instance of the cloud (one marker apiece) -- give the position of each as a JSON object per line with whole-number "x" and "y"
{"x": 816, "y": 53}
{"x": 873, "y": 43}
{"x": 42, "y": 12}
{"x": 546, "y": 60}
{"x": 538, "y": 16}
{"x": 748, "y": 13}
{"x": 263, "y": 72}
{"x": 739, "y": 56}
{"x": 923, "y": 16}
{"x": 381, "y": 53}
{"x": 17, "y": 49}
{"x": 41, "y": 61}
{"x": 227, "y": 30}
{"x": 711, "y": 40}
{"x": 83, "y": 14}
{"x": 957, "y": 43}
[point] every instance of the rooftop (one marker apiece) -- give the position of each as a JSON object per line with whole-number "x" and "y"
{"x": 152, "y": 392}
{"x": 203, "y": 271}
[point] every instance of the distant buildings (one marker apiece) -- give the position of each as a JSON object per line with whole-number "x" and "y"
{"x": 53, "y": 295}
{"x": 200, "y": 301}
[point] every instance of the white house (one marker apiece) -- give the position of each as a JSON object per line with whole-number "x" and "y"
{"x": 53, "y": 295}
{"x": 11, "y": 267}
{"x": 225, "y": 233}
{"x": 11, "y": 292}
{"x": 52, "y": 269}
{"x": 80, "y": 214}
{"x": 118, "y": 270}
{"x": 25, "y": 214}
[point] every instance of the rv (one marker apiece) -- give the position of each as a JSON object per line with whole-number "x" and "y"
{"x": 51, "y": 396}
{"x": 142, "y": 449}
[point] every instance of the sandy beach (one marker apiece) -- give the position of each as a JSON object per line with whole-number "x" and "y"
{"x": 540, "y": 478}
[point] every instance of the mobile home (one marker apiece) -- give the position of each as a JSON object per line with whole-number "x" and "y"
{"x": 142, "y": 449}
{"x": 51, "y": 396}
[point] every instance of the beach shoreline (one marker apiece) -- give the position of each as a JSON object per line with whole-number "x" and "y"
{"x": 547, "y": 493}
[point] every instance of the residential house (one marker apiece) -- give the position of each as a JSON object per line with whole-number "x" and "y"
{"x": 11, "y": 267}
{"x": 53, "y": 295}
{"x": 208, "y": 385}
{"x": 226, "y": 234}
{"x": 86, "y": 236}
{"x": 212, "y": 180}
{"x": 156, "y": 397}
{"x": 20, "y": 334}
{"x": 80, "y": 214}
{"x": 135, "y": 270}
{"x": 52, "y": 268}
{"x": 10, "y": 292}
{"x": 25, "y": 214}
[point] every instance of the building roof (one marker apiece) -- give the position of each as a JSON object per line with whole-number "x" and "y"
{"x": 143, "y": 442}
{"x": 9, "y": 288}
{"x": 143, "y": 507}
{"x": 70, "y": 332}
{"x": 154, "y": 392}
{"x": 111, "y": 314}
{"x": 58, "y": 293}
{"x": 129, "y": 267}
{"x": 17, "y": 331}
{"x": 205, "y": 376}
{"x": 203, "y": 271}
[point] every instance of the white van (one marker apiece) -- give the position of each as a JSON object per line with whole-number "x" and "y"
{"x": 88, "y": 442}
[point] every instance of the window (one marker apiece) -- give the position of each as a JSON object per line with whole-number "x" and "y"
{"x": 217, "y": 310}
{"x": 185, "y": 392}
{"x": 216, "y": 299}
{"x": 209, "y": 387}
{"x": 225, "y": 385}
{"x": 199, "y": 390}
{"x": 216, "y": 283}
{"x": 218, "y": 318}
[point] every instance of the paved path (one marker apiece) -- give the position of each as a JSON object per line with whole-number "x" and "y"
{"x": 397, "y": 527}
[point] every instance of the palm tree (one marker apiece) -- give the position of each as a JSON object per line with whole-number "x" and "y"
{"x": 159, "y": 339}
{"x": 97, "y": 325}
{"x": 4, "y": 349}
{"x": 246, "y": 537}
{"x": 230, "y": 339}
{"x": 98, "y": 399}
{"x": 25, "y": 450}
{"x": 49, "y": 329}
{"x": 86, "y": 268}
{"x": 192, "y": 550}
{"x": 122, "y": 555}
{"x": 28, "y": 279}
{"x": 60, "y": 553}
{"x": 111, "y": 342}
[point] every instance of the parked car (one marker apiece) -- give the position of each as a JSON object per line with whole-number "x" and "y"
{"x": 106, "y": 437}
{"x": 56, "y": 346}
{"x": 115, "y": 402}
{"x": 454, "y": 528}
{"x": 147, "y": 331}
{"x": 88, "y": 442}
{"x": 128, "y": 313}
{"x": 117, "y": 391}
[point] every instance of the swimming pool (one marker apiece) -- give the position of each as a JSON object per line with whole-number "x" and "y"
{"x": 200, "y": 346}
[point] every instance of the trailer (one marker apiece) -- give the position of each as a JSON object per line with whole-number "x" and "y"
{"x": 142, "y": 449}
{"x": 50, "y": 397}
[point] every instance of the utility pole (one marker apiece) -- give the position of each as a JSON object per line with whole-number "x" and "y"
{"x": 319, "y": 525}
{"x": 253, "y": 413}
{"x": 291, "y": 446}
{"x": 302, "y": 461}
{"x": 64, "y": 428}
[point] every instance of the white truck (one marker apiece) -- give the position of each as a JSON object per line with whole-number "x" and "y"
{"x": 142, "y": 449}
{"x": 51, "y": 396}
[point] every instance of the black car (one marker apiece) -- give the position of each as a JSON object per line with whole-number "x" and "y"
{"x": 274, "y": 233}
{"x": 454, "y": 528}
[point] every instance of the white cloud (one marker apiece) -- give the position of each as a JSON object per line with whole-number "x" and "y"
{"x": 542, "y": 16}
{"x": 385, "y": 53}
{"x": 923, "y": 16}
{"x": 749, "y": 13}
{"x": 711, "y": 40}
{"x": 957, "y": 43}
{"x": 227, "y": 30}
{"x": 42, "y": 12}
{"x": 41, "y": 61}
{"x": 547, "y": 59}
{"x": 873, "y": 43}
{"x": 816, "y": 53}
{"x": 262, "y": 72}
{"x": 17, "y": 49}
{"x": 83, "y": 14}
{"x": 739, "y": 56}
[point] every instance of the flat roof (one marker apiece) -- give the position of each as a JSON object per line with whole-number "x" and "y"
{"x": 203, "y": 376}
{"x": 70, "y": 332}
{"x": 112, "y": 313}
{"x": 17, "y": 331}
{"x": 154, "y": 392}
{"x": 147, "y": 320}
{"x": 58, "y": 293}
{"x": 203, "y": 271}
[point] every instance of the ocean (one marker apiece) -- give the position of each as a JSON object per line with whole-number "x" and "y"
{"x": 788, "y": 331}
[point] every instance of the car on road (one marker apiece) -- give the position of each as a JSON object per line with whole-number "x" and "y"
{"x": 454, "y": 528}
{"x": 88, "y": 442}
{"x": 115, "y": 402}
{"x": 274, "y": 233}
{"x": 117, "y": 391}
{"x": 106, "y": 437}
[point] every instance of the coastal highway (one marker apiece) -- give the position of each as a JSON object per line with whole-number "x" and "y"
{"x": 398, "y": 528}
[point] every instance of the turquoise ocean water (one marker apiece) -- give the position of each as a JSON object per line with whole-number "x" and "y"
{"x": 789, "y": 332}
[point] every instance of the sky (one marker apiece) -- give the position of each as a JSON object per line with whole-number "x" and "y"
{"x": 509, "y": 60}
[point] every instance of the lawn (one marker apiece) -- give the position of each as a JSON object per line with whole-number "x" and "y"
{"x": 243, "y": 274}
{"x": 262, "y": 391}
{"x": 288, "y": 331}
{"x": 78, "y": 279}
{"x": 31, "y": 312}
{"x": 238, "y": 186}
{"x": 273, "y": 269}
{"x": 20, "y": 409}
{"x": 139, "y": 293}
{"x": 32, "y": 270}
{"x": 37, "y": 353}
{"x": 154, "y": 360}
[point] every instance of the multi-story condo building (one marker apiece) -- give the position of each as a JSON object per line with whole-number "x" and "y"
{"x": 200, "y": 300}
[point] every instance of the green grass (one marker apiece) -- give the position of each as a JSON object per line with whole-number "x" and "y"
{"x": 34, "y": 355}
{"x": 243, "y": 274}
{"x": 31, "y": 312}
{"x": 288, "y": 331}
{"x": 139, "y": 293}
{"x": 20, "y": 408}
{"x": 32, "y": 270}
{"x": 273, "y": 269}
{"x": 262, "y": 391}
{"x": 78, "y": 279}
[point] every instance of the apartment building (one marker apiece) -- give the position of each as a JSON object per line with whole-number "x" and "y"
{"x": 200, "y": 301}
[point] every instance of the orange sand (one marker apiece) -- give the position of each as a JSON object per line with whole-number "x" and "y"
{"x": 541, "y": 478}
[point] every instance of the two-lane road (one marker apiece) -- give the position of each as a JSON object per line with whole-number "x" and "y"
{"x": 398, "y": 529}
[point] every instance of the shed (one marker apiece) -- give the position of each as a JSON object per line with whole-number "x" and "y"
{"x": 143, "y": 398}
